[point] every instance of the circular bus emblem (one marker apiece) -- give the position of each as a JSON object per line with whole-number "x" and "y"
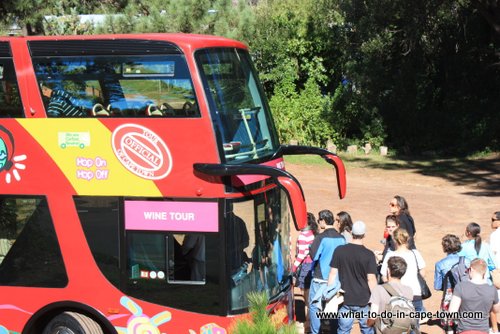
{"x": 141, "y": 151}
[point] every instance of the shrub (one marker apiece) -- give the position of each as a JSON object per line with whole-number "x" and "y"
{"x": 259, "y": 320}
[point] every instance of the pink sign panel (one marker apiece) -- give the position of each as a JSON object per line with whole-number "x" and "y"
{"x": 171, "y": 216}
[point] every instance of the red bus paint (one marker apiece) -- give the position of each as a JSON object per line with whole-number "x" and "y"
{"x": 142, "y": 184}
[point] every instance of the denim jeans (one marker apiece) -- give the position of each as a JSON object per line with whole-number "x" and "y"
{"x": 314, "y": 321}
{"x": 345, "y": 324}
{"x": 418, "y": 303}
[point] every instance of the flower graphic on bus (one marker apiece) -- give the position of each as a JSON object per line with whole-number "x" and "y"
{"x": 211, "y": 328}
{"x": 140, "y": 323}
{"x": 8, "y": 161}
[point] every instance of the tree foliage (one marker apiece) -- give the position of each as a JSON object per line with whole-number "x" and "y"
{"x": 414, "y": 75}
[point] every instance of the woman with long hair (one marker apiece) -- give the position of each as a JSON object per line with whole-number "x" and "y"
{"x": 398, "y": 206}
{"x": 474, "y": 247}
{"x": 345, "y": 225}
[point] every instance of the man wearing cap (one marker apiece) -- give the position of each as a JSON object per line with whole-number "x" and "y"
{"x": 355, "y": 266}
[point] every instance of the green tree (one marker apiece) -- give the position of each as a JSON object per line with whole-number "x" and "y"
{"x": 29, "y": 14}
{"x": 425, "y": 70}
{"x": 216, "y": 17}
{"x": 292, "y": 67}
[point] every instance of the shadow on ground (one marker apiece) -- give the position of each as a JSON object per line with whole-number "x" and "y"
{"x": 482, "y": 174}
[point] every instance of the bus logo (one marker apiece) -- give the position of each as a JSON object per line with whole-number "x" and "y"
{"x": 142, "y": 151}
{"x": 9, "y": 162}
{"x": 73, "y": 139}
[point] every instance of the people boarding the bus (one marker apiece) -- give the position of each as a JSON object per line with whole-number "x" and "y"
{"x": 302, "y": 266}
{"x": 322, "y": 250}
{"x": 355, "y": 266}
{"x": 398, "y": 206}
{"x": 476, "y": 297}
{"x": 261, "y": 256}
{"x": 239, "y": 241}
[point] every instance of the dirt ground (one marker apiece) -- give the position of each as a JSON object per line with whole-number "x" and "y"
{"x": 443, "y": 196}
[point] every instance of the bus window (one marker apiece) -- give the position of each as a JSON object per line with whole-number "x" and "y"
{"x": 159, "y": 266}
{"x": 186, "y": 258}
{"x": 99, "y": 217}
{"x": 163, "y": 268}
{"x": 10, "y": 100}
{"x": 266, "y": 267}
{"x": 117, "y": 86}
{"x": 29, "y": 251}
{"x": 237, "y": 104}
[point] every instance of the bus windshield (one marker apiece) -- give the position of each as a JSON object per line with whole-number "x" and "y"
{"x": 237, "y": 104}
{"x": 258, "y": 247}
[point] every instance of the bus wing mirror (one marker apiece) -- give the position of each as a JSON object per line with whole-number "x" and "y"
{"x": 285, "y": 180}
{"x": 328, "y": 156}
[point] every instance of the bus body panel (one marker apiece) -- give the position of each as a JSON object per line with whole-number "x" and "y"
{"x": 64, "y": 172}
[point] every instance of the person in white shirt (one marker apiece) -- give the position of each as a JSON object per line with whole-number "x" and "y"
{"x": 495, "y": 238}
{"x": 495, "y": 250}
{"x": 415, "y": 263}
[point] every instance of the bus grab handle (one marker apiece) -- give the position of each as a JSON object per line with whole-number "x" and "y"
{"x": 285, "y": 180}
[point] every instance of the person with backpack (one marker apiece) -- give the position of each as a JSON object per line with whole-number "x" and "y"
{"x": 451, "y": 246}
{"x": 447, "y": 273}
{"x": 474, "y": 295}
{"x": 392, "y": 296}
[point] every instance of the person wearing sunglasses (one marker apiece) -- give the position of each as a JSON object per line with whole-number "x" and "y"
{"x": 398, "y": 206}
{"x": 495, "y": 250}
{"x": 495, "y": 237}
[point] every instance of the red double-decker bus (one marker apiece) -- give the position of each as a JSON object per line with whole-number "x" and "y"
{"x": 142, "y": 186}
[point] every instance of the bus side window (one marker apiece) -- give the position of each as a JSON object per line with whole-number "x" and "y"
{"x": 24, "y": 262}
{"x": 10, "y": 100}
